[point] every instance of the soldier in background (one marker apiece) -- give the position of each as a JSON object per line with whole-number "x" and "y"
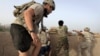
{"x": 86, "y": 42}
{"x": 53, "y": 40}
{"x": 45, "y": 40}
{"x": 62, "y": 43}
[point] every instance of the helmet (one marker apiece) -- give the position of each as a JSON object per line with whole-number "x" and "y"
{"x": 51, "y": 2}
{"x": 86, "y": 29}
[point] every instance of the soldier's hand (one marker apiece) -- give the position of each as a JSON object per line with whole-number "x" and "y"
{"x": 35, "y": 38}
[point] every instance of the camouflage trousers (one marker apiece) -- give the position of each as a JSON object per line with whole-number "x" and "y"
{"x": 84, "y": 49}
{"x": 62, "y": 47}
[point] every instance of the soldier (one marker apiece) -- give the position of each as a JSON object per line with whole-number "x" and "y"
{"x": 86, "y": 42}
{"x": 44, "y": 38}
{"x": 24, "y": 30}
{"x": 63, "y": 40}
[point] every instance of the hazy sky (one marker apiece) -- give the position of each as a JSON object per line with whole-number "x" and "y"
{"x": 76, "y": 14}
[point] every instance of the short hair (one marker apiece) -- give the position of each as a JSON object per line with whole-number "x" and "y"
{"x": 60, "y": 22}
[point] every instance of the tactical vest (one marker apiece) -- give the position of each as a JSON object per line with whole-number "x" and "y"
{"x": 19, "y": 9}
{"x": 18, "y": 13}
{"x": 88, "y": 36}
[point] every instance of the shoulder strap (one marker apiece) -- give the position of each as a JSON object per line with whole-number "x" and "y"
{"x": 19, "y": 9}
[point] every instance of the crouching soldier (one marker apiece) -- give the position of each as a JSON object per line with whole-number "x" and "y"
{"x": 44, "y": 38}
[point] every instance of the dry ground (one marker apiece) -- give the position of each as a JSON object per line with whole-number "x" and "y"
{"x": 7, "y": 49}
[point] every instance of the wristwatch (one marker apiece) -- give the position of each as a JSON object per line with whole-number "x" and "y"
{"x": 31, "y": 31}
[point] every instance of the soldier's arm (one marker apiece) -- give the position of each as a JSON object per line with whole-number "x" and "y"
{"x": 66, "y": 30}
{"x": 28, "y": 16}
{"x": 80, "y": 33}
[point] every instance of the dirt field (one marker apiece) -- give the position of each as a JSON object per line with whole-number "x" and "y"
{"x": 7, "y": 49}
{"x": 6, "y": 46}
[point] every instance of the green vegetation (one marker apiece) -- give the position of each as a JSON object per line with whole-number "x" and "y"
{"x": 4, "y": 28}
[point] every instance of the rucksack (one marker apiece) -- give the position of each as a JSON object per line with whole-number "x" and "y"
{"x": 19, "y": 9}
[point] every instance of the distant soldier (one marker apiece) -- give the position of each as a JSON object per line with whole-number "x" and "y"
{"x": 86, "y": 42}
{"x": 63, "y": 40}
{"x": 44, "y": 38}
{"x": 53, "y": 40}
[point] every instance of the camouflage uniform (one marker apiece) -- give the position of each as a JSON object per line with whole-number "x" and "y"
{"x": 62, "y": 43}
{"x": 43, "y": 38}
{"x": 85, "y": 44}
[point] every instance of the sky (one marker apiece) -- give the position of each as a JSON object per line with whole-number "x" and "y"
{"x": 76, "y": 14}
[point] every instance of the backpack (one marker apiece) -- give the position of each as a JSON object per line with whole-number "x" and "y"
{"x": 18, "y": 12}
{"x": 19, "y": 9}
